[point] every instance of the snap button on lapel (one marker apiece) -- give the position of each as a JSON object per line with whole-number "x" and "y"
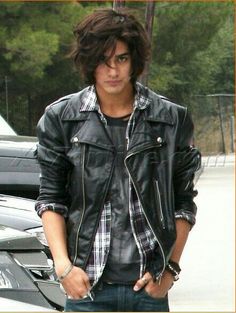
{"x": 159, "y": 140}
{"x": 75, "y": 140}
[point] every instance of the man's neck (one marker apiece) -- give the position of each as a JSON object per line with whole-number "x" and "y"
{"x": 116, "y": 105}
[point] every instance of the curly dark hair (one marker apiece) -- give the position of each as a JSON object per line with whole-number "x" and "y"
{"x": 99, "y": 32}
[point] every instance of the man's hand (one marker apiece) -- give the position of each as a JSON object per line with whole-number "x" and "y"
{"x": 155, "y": 289}
{"x": 76, "y": 284}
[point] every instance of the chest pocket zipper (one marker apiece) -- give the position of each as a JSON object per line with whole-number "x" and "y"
{"x": 159, "y": 203}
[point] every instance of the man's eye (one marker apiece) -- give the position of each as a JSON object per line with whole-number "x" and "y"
{"x": 122, "y": 59}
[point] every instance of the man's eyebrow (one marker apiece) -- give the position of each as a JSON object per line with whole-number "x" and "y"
{"x": 119, "y": 55}
{"x": 122, "y": 54}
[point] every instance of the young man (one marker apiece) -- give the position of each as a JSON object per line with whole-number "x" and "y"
{"x": 117, "y": 168}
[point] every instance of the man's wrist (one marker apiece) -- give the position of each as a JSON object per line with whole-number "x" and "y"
{"x": 65, "y": 273}
{"x": 174, "y": 269}
{"x": 61, "y": 265}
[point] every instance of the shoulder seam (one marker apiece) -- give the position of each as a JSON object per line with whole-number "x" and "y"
{"x": 65, "y": 98}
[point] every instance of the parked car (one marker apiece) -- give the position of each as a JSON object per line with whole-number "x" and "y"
{"x": 5, "y": 128}
{"x": 19, "y": 169}
{"x": 19, "y": 213}
{"x": 25, "y": 273}
{"x": 9, "y": 305}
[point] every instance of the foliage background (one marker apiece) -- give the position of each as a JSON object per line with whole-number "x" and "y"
{"x": 192, "y": 55}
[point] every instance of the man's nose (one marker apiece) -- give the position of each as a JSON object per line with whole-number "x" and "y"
{"x": 112, "y": 71}
{"x": 112, "y": 68}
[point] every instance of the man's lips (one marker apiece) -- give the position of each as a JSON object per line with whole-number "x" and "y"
{"x": 113, "y": 82}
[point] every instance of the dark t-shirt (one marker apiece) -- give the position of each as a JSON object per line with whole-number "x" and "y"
{"x": 123, "y": 260}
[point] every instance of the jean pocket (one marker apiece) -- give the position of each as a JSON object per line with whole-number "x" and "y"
{"x": 85, "y": 299}
{"x": 145, "y": 293}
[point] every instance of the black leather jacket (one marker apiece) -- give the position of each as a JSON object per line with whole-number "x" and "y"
{"x": 76, "y": 159}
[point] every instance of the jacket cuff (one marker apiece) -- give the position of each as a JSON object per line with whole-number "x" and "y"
{"x": 55, "y": 207}
{"x": 186, "y": 215}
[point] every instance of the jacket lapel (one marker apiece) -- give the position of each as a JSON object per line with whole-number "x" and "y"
{"x": 149, "y": 130}
{"x": 93, "y": 132}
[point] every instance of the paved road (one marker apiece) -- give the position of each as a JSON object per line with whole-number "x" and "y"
{"x": 207, "y": 280}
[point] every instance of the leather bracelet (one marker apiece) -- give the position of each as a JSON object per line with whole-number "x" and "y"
{"x": 173, "y": 268}
{"x": 65, "y": 273}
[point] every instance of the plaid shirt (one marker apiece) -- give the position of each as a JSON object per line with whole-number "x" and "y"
{"x": 144, "y": 237}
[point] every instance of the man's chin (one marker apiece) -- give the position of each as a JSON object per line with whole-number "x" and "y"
{"x": 114, "y": 90}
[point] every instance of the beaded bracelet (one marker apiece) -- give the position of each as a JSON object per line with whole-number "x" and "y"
{"x": 65, "y": 273}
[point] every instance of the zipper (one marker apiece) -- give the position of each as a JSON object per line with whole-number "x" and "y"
{"x": 83, "y": 207}
{"x": 143, "y": 149}
{"x": 75, "y": 140}
{"x": 98, "y": 220}
{"x": 187, "y": 185}
{"x": 135, "y": 236}
{"x": 136, "y": 190}
{"x": 135, "y": 187}
{"x": 130, "y": 188}
{"x": 158, "y": 196}
{"x": 128, "y": 129}
{"x": 106, "y": 256}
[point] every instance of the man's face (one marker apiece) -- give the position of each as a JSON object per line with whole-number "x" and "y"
{"x": 112, "y": 76}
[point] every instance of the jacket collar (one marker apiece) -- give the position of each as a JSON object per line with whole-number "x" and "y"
{"x": 90, "y": 100}
{"x": 82, "y": 103}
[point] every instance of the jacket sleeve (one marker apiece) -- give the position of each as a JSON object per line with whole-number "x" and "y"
{"x": 187, "y": 161}
{"x": 54, "y": 165}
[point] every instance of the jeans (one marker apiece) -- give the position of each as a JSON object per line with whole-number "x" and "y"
{"x": 118, "y": 298}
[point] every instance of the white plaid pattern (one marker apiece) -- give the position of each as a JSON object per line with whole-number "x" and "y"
{"x": 98, "y": 255}
{"x": 147, "y": 239}
{"x": 90, "y": 101}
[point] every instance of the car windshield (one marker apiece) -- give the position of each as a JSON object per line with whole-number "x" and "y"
{"x": 5, "y": 128}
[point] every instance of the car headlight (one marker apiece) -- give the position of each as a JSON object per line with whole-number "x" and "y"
{"x": 39, "y": 233}
{"x": 12, "y": 276}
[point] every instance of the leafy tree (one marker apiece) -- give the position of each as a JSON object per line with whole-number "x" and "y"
{"x": 193, "y": 52}
{"x": 35, "y": 38}
{"x": 188, "y": 42}
{"x": 27, "y": 54}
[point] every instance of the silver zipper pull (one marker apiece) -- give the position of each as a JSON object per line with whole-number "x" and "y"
{"x": 159, "y": 279}
{"x": 91, "y": 295}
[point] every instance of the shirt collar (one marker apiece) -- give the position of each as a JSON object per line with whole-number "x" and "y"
{"x": 90, "y": 100}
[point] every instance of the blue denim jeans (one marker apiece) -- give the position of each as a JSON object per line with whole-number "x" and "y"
{"x": 118, "y": 298}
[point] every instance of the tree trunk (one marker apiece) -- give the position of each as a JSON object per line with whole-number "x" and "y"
{"x": 149, "y": 18}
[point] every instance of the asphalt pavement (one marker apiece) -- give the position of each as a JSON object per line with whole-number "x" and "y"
{"x": 207, "y": 280}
